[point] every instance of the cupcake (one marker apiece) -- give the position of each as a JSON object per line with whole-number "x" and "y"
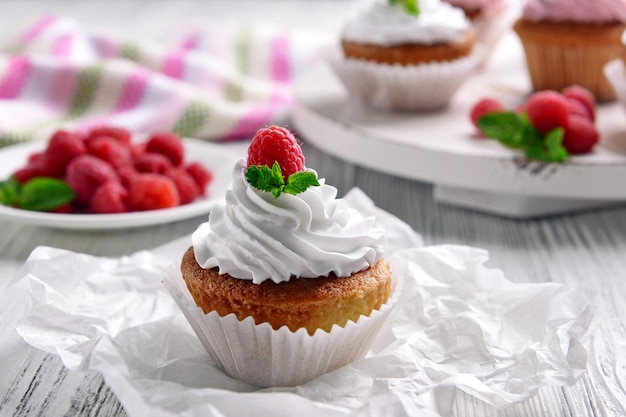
{"x": 406, "y": 58}
{"x": 570, "y": 42}
{"x": 284, "y": 282}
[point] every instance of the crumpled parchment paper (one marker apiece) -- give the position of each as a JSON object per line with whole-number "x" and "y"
{"x": 458, "y": 324}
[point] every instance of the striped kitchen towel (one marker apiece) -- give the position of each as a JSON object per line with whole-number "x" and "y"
{"x": 219, "y": 83}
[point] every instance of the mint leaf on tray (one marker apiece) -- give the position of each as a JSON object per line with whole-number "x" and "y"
{"x": 515, "y": 131}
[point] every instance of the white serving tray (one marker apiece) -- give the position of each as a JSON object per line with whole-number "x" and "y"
{"x": 441, "y": 147}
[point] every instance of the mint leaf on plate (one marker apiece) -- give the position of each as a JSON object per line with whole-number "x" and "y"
{"x": 37, "y": 194}
{"x": 9, "y": 192}
{"x": 43, "y": 194}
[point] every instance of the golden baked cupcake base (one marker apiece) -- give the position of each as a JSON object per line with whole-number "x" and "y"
{"x": 409, "y": 54}
{"x": 265, "y": 357}
{"x": 306, "y": 303}
{"x": 560, "y": 54}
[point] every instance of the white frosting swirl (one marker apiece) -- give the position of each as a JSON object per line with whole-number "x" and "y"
{"x": 252, "y": 235}
{"x": 386, "y": 25}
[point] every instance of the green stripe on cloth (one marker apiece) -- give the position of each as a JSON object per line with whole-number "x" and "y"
{"x": 192, "y": 118}
{"x": 129, "y": 51}
{"x": 88, "y": 81}
{"x": 233, "y": 91}
{"x": 11, "y": 138}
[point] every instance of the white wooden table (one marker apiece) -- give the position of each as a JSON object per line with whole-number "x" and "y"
{"x": 585, "y": 250}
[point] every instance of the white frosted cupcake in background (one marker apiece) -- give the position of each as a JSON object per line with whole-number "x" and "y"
{"x": 406, "y": 58}
{"x": 285, "y": 282}
{"x": 491, "y": 19}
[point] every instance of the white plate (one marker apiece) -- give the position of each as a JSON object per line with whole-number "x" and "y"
{"x": 220, "y": 159}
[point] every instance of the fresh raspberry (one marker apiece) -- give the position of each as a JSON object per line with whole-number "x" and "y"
{"x": 276, "y": 144}
{"x": 110, "y": 197}
{"x": 584, "y": 96}
{"x": 118, "y": 133}
{"x": 187, "y": 188}
{"x": 137, "y": 150}
{"x": 580, "y": 136}
{"x": 85, "y": 174}
{"x": 37, "y": 166}
{"x": 126, "y": 175}
{"x": 547, "y": 110}
{"x": 200, "y": 175}
{"x": 151, "y": 192}
{"x": 484, "y": 107}
{"x": 34, "y": 157}
{"x": 167, "y": 144}
{"x": 153, "y": 163}
{"x": 62, "y": 148}
{"x": 23, "y": 175}
{"x": 110, "y": 150}
{"x": 30, "y": 170}
{"x": 66, "y": 208}
{"x": 579, "y": 109}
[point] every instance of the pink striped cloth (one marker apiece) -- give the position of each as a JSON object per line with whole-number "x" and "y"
{"x": 222, "y": 82}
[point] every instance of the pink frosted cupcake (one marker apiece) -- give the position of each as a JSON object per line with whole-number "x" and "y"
{"x": 570, "y": 42}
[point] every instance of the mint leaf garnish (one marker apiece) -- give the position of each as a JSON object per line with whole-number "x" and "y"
{"x": 554, "y": 144}
{"x": 266, "y": 179}
{"x": 506, "y": 127}
{"x": 271, "y": 180}
{"x": 516, "y": 131}
{"x": 410, "y": 6}
{"x": 42, "y": 194}
{"x": 9, "y": 192}
{"x": 38, "y": 194}
{"x": 300, "y": 181}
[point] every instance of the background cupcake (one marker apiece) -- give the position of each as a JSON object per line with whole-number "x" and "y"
{"x": 397, "y": 56}
{"x": 570, "y": 42}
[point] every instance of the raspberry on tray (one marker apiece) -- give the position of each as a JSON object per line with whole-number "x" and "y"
{"x": 548, "y": 127}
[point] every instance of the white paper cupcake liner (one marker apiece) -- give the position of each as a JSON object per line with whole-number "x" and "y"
{"x": 265, "y": 357}
{"x": 615, "y": 72}
{"x": 422, "y": 87}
